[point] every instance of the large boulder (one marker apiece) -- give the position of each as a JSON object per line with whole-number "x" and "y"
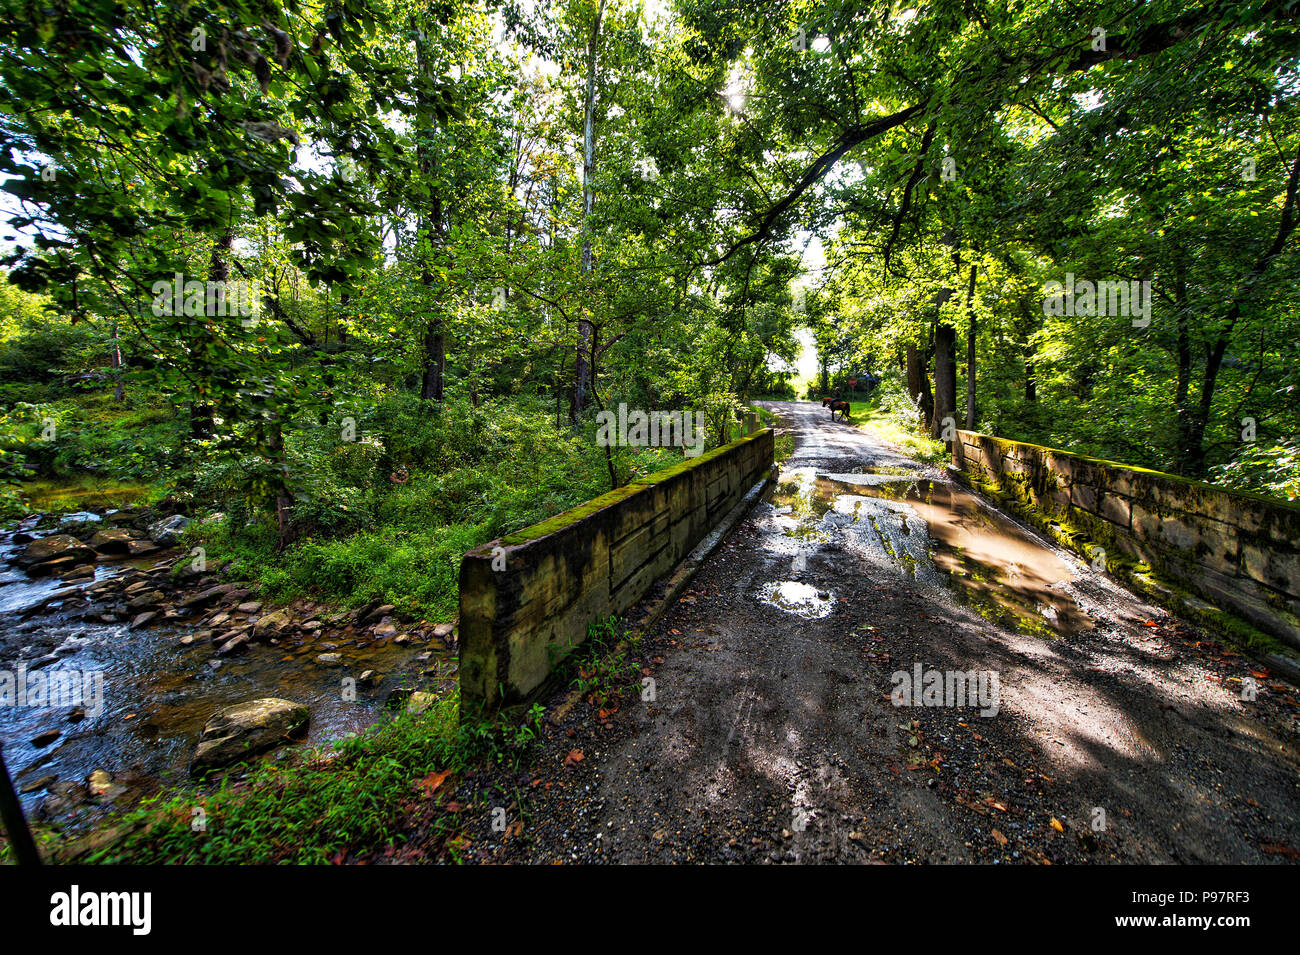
{"x": 55, "y": 547}
{"x": 167, "y": 531}
{"x": 239, "y": 732}
{"x": 113, "y": 540}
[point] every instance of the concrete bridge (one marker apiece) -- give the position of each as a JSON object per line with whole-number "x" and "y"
{"x": 879, "y": 665}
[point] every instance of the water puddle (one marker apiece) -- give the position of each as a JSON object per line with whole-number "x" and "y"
{"x": 798, "y": 598}
{"x": 934, "y": 533}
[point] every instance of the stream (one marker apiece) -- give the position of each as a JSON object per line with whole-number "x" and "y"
{"x": 146, "y": 693}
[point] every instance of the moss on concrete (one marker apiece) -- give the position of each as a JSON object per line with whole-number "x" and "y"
{"x": 1006, "y": 445}
{"x": 1081, "y": 533}
{"x": 573, "y": 515}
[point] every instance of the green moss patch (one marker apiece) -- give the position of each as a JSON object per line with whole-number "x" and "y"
{"x": 610, "y": 498}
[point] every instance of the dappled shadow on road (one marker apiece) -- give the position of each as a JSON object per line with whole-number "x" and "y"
{"x": 1103, "y": 730}
{"x": 1118, "y": 735}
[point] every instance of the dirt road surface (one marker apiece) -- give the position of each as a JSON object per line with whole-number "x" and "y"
{"x": 1095, "y": 727}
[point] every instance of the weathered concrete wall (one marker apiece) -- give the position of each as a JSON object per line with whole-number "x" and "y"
{"x": 526, "y": 600}
{"x": 1240, "y": 552}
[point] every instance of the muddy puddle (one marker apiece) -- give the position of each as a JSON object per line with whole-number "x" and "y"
{"x": 931, "y": 532}
{"x": 146, "y": 695}
{"x": 800, "y": 598}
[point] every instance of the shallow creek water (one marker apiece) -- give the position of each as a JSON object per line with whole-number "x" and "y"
{"x": 157, "y": 692}
{"x": 935, "y": 533}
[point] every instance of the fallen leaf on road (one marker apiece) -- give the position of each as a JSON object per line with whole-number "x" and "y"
{"x": 429, "y": 784}
{"x": 999, "y": 838}
{"x": 1279, "y": 849}
{"x": 575, "y": 756}
{"x": 1056, "y": 824}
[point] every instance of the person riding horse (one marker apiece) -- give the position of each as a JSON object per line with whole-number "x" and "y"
{"x": 836, "y": 404}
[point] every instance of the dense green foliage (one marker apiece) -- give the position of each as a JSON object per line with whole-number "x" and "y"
{"x": 468, "y": 227}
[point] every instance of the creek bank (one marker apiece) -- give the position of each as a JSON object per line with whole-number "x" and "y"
{"x": 177, "y": 644}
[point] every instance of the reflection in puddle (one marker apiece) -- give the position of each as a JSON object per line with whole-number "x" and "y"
{"x": 939, "y": 535}
{"x": 794, "y": 597}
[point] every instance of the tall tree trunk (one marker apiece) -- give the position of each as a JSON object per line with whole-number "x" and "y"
{"x": 430, "y": 221}
{"x": 945, "y": 378}
{"x": 918, "y": 382}
{"x": 283, "y": 501}
{"x": 1183, "y": 413}
{"x": 435, "y": 362}
{"x": 201, "y": 412}
{"x": 582, "y": 369}
{"x": 1191, "y": 451}
{"x": 115, "y": 362}
{"x": 1031, "y": 379}
{"x": 970, "y": 352}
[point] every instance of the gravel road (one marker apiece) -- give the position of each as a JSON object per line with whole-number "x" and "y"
{"x": 1096, "y": 728}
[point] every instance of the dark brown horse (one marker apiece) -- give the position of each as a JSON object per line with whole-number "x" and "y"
{"x": 836, "y": 404}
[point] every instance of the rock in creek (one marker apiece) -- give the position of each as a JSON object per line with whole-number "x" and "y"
{"x": 55, "y": 547}
{"x": 113, "y": 540}
{"x": 168, "y": 530}
{"x": 238, "y": 732}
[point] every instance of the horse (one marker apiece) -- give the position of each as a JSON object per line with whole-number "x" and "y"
{"x": 836, "y": 404}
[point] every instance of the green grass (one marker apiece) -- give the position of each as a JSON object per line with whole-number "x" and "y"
{"x": 415, "y": 571}
{"x": 606, "y": 664}
{"x": 885, "y": 420}
{"x": 309, "y": 808}
{"x": 473, "y": 475}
